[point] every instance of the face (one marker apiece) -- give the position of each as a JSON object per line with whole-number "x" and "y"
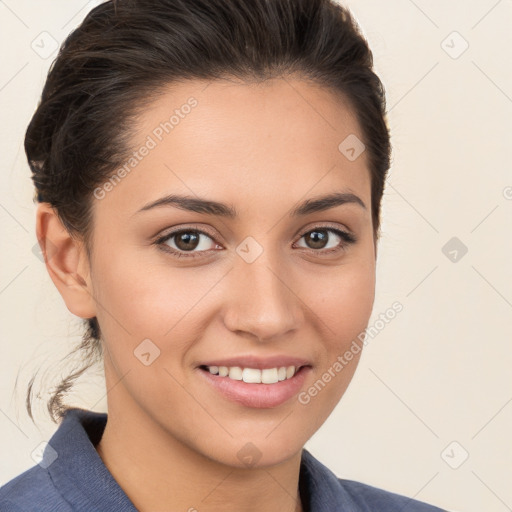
{"x": 260, "y": 282}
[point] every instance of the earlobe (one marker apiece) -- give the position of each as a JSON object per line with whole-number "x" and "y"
{"x": 66, "y": 261}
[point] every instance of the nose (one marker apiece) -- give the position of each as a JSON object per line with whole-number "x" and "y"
{"x": 262, "y": 301}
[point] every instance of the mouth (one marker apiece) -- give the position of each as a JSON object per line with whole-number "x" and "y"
{"x": 254, "y": 375}
{"x": 256, "y": 387}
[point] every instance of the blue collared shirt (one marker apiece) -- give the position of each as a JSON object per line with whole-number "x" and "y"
{"x": 71, "y": 477}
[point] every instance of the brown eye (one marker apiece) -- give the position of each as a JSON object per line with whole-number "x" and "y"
{"x": 327, "y": 239}
{"x": 185, "y": 241}
{"x": 317, "y": 239}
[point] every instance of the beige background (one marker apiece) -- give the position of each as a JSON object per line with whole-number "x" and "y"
{"x": 440, "y": 371}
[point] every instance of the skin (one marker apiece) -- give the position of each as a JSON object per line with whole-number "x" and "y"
{"x": 261, "y": 148}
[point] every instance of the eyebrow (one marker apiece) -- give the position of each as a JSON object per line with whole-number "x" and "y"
{"x": 209, "y": 207}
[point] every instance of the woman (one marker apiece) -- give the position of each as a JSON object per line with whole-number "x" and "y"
{"x": 254, "y": 132}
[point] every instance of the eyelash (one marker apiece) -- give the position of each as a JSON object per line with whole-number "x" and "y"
{"x": 160, "y": 242}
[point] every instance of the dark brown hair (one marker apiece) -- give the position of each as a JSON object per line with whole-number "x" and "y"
{"x": 126, "y": 51}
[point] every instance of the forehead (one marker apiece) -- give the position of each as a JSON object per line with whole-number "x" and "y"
{"x": 248, "y": 142}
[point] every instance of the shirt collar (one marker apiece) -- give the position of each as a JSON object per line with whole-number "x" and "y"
{"x": 84, "y": 481}
{"x": 78, "y": 472}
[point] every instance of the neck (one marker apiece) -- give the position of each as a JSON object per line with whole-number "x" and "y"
{"x": 158, "y": 472}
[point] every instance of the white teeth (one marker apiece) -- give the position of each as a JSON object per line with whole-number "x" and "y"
{"x": 251, "y": 376}
{"x": 235, "y": 372}
{"x": 269, "y": 376}
{"x": 254, "y": 375}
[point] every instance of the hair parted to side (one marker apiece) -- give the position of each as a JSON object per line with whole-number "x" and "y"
{"x": 127, "y": 51}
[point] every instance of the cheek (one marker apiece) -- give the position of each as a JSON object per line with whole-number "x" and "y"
{"x": 138, "y": 300}
{"x": 344, "y": 301}
{"x": 168, "y": 306}
{"x": 139, "y": 303}
{"x": 342, "y": 311}
{"x": 149, "y": 300}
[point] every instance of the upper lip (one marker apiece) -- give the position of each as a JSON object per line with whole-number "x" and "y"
{"x": 260, "y": 363}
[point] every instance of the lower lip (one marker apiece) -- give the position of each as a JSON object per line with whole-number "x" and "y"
{"x": 257, "y": 395}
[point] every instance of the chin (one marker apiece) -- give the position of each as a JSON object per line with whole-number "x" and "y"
{"x": 253, "y": 454}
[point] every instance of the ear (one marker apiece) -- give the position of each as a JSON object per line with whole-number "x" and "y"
{"x": 66, "y": 262}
